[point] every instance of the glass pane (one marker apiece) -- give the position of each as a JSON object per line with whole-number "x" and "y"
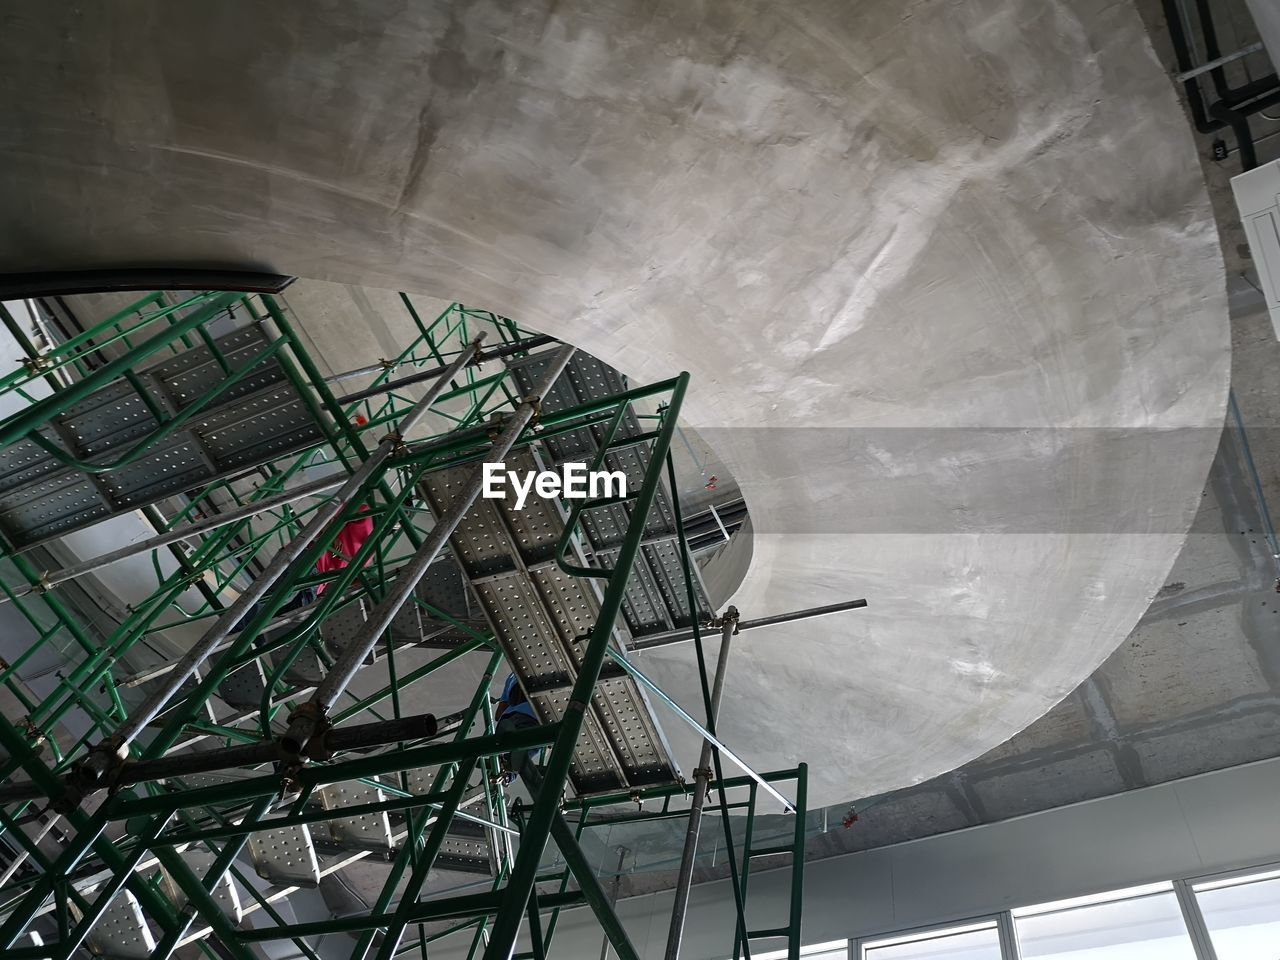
{"x": 831, "y": 950}
{"x": 964, "y": 944}
{"x": 1145, "y": 928}
{"x": 1243, "y": 920}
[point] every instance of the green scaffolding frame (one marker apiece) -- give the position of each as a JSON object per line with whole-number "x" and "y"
{"x": 45, "y": 763}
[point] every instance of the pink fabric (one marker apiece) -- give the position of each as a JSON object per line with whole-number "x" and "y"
{"x": 345, "y": 546}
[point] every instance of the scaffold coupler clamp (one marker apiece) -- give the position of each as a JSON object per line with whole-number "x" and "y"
{"x": 104, "y": 761}
{"x": 494, "y": 425}
{"x": 34, "y": 733}
{"x": 730, "y": 615}
{"x": 398, "y": 446}
{"x": 536, "y": 404}
{"x": 704, "y": 773}
{"x": 100, "y": 768}
{"x": 307, "y": 725}
{"x": 37, "y": 364}
{"x": 43, "y": 585}
{"x": 638, "y": 799}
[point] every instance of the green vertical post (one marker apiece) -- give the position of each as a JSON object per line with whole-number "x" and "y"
{"x": 418, "y": 878}
{"x": 403, "y": 859}
{"x": 797, "y": 863}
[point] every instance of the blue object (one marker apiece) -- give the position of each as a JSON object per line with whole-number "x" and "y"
{"x": 512, "y": 689}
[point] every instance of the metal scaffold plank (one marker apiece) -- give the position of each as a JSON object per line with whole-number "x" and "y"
{"x": 122, "y": 932}
{"x": 653, "y": 603}
{"x": 286, "y": 855}
{"x": 251, "y": 420}
{"x": 226, "y": 892}
{"x": 370, "y": 831}
{"x": 540, "y": 616}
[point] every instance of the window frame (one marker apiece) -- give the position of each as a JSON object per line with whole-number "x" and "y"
{"x": 1001, "y": 921}
{"x": 1187, "y": 897}
{"x": 807, "y": 949}
{"x": 1183, "y": 890}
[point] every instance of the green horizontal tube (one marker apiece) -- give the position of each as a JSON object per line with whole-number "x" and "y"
{"x": 67, "y": 349}
{"x": 467, "y": 905}
{"x": 412, "y": 677}
{"x": 293, "y": 820}
{"x": 662, "y": 815}
{"x": 550, "y": 424}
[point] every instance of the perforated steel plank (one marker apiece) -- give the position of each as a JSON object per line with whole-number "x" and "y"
{"x": 445, "y": 589}
{"x": 465, "y": 854}
{"x": 654, "y": 602}
{"x": 122, "y": 932}
{"x": 286, "y": 856}
{"x": 225, "y": 892}
{"x": 406, "y": 625}
{"x": 254, "y": 420}
{"x": 342, "y": 627}
{"x": 540, "y": 616}
{"x": 369, "y": 831}
{"x": 243, "y": 688}
{"x": 535, "y": 652}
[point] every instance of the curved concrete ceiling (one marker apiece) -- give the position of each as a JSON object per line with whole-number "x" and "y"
{"x": 944, "y": 273}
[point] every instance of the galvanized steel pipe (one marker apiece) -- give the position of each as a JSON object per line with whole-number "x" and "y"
{"x": 701, "y": 779}
{"x": 115, "y": 748}
{"x": 311, "y": 716}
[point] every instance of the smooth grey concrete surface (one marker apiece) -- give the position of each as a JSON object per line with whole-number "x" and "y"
{"x": 1194, "y": 688}
{"x": 911, "y": 225}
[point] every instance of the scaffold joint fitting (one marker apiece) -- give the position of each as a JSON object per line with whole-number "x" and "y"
{"x": 536, "y": 404}
{"x": 398, "y": 445}
{"x": 34, "y": 733}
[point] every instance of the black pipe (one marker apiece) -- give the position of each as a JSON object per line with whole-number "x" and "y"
{"x": 1231, "y": 96}
{"x": 418, "y": 727}
{"x": 1236, "y": 104}
{"x": 1239, "y": 124}
{"x": 15, "y": 286}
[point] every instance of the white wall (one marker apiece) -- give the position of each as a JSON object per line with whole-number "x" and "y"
{"x": 1218, "y": 821}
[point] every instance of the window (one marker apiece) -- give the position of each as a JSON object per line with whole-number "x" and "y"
{"x": 832, "y": 950}
{"x": 1237, "y": 915}
{"x": 1142, "y": 924}
{"x": 1242, "y": 916}
{"x": 975, "y": 941}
